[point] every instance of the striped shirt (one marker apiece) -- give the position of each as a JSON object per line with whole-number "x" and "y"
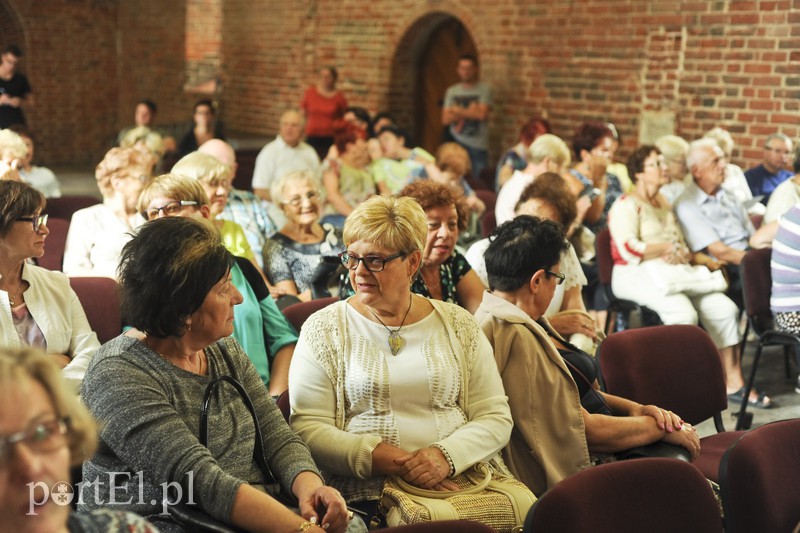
{"x": 785, "y": 263}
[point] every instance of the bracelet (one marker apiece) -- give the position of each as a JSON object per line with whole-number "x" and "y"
{"x": 304, "y": 526}
{"x": 446, "y": 456}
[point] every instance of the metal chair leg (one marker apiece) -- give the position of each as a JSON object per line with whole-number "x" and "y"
{"x": 745, "y": 419}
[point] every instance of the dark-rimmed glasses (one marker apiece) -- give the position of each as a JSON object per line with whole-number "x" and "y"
{"x": 560, "y": 277}
{"x": 373, "y": 263}
{"x": 41, "y": 437}
{"x": 170, "y": 209}
{"x": 37, "y": 220}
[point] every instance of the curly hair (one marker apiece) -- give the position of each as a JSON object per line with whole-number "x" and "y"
{"x": 119, "y": 162}
{"x": 18, "y": 199}
{"x": 636, "y": 160}
{"x": 588, "y": 135}
{"x": 430, "y": 194}
{"x": 455, "y": 158}
{"x": 551, "y": 188}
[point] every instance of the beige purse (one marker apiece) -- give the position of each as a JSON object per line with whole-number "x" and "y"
{"x": 493, "y": 499}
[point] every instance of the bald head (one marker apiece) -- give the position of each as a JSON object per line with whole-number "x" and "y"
{"x": 221, "y": 150}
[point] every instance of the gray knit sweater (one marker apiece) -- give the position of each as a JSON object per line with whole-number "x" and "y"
{"x": 149, "y": 415}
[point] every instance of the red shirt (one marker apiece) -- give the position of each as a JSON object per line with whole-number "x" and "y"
{"x": 323, "y": 114}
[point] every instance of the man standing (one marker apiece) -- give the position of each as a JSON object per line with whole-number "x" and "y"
{"x": 466, "y": 113}
{"x": 772, "y": 172}
{"x": 15, "y": 91}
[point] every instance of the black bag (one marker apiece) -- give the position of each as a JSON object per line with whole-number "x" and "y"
{"x": 192, "y": 517}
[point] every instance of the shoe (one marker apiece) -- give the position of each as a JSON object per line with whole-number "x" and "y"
{"x": 760, "y": 403}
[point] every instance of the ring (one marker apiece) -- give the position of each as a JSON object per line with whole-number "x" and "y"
{"x": 349, "y": 515}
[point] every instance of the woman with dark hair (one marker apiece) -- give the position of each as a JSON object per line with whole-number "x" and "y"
{"x": 40, "y": 309}
{"x": 545, "y": 378}
{"x": 204, "y": 128}
{"x": 652, "y": 267}
{"x": 146, "y": 388}
{"x": 324, "y": 108}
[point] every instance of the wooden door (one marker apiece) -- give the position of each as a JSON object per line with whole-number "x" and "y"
{"x": 437, "y": 71}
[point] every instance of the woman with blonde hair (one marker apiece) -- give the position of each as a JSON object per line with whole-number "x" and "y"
{"x": 12, "y": 152}
{"x": 44, "y": 430}
{"x": 98, "y": 233}
{"x": 674, "y": 149}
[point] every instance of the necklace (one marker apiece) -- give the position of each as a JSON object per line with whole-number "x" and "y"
{"x": 396, "y": 341}
{"x": 12, "y": 298}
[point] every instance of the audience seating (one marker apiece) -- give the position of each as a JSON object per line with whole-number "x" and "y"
{"x": 488, "y": 223}
{"x": 447, "y": 526}
{"x": 100, "y": 302}
{"x": 631, "y": 314}
{"x": 246, "y": 164}
{"x": 653, "y": 495}
{"x": 756, "y": 288}
{"x": 54, "y": 245}
{"x": 675, "y": 367}
{"x": 296, "y": 314}
{"x": 489, "y": 198}
{"x": 65, "y": 206}
{"x": 758, "y": 479}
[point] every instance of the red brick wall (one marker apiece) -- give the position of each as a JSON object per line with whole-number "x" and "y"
{"x": 734, "y": 64}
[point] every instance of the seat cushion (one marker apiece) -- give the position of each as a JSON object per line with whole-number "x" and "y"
{"x": 712, "y": 448}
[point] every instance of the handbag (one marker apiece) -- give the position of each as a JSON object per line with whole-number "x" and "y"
{"x": 192, "y": 517}
{"x": 484, "y": 496}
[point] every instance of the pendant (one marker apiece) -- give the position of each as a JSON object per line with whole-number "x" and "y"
{"x": 396, "y": 342}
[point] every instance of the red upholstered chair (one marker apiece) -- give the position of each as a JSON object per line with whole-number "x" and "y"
{"x": 489, "y": 198}
{"x": 677, "y": 368}
{"x": 756, "y": 277}
{"x": 296, "y": 314}
{"x": 100, "y": 302}
{"x": 245, "y": 166}
{"x": 488, "y": 223}
{"x": 758, "y": 479}
{"x": 54, "y": 245}
{"x": 632, "y": 314}
{"x": 65, "y": 206}
{"x": 629, "y": 496}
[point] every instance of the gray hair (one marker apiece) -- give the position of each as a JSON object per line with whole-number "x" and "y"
{"x": 697, "y": 149}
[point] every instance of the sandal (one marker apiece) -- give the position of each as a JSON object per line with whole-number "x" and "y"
{"x": 760, "y": 403}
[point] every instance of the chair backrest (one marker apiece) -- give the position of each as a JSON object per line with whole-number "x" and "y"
{"x": 488, "y": 223}
{"x": 245, "y": 166}
{"x": 489, "y": 198}
{"x": 100, "y": 302}
{"x": 756, "y": 277}
{"x": 676, "y": 367}
{"x": 297, "y": 314}
{"x": 629, "y": 496}
{"x": 55, "y": 243}
{"x": 65, "y": 206}
{"x": 758, "y": 479}
{"x": 605, "y": 261}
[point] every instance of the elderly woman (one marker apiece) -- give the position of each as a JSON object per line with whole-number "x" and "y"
{"x": 549, "y": 197}
{"x": 43, "y": 431}
{"x": 262, "y": 330}
{"x": 12, "y": 154}
{"x": 674, "y": 149}
{"x": 453, "y": 166}
{"x": 379, "y": 382}
{"x": 40, "y": 178}
{"x": 293, "y": 257}
{"x": 40, "y": 309}
{"x": 98, "y": 233}
{"x": 323, "y": 107}
{"x": 651, "y": 267}
{"x": 204, "y": 128}
{"x": 146, "y": 388}
{"x": 554, "y": 434}
{"x": 349, "y": 181}
{"x": 445, "y": 273}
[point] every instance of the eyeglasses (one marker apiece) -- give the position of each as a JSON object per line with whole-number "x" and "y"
{"x": 38, "y": 221}
{"x": 170, "y": 209}
{"x": 297, "y": 201}
{"x": 781, "y": 151}
{"x": 660, "y": 162}
{"x": 41, "y": 437}
{"x": 560, "y": 277}
{"x": 370, "y": 262}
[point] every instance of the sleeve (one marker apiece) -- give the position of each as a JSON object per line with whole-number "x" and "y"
{"x": 313, "y": 400}
{"x": 476, "y": 260}
{"x": 79, "y": 244}
{"x": 304, "y": 101}
{"x": 488, "y": 427}
{"x": 486, "y": 94}
{"x": 235, "y": 240}
{"x": 460, "y": 267}
{"x": 571, "y": 266}
{"x": 276, "y": 262}
{"x": 448, "y": 97}
{"x": 696, "y": 228}
{"x": 264, "y": 169}
{"x": 277, "y": 330}
{"x": 83, "y": 344}
{"x": 623, "y": 223}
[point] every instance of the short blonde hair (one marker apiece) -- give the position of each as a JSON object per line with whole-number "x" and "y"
{"x": 300, "y": 176}
{"x": 672, "y": 147}
{"x": 551, "y": 146}
{"x": 144, "y": 136}
{"x": 455, "y": 158}
{"x": 172, "y": 186}
{"x": 12, "y": 146}
{"x": 204, "y": 168}
{"x": 723, "y": 138}
{"x": 395, "y": 223}
{"x": 118, "y": 161}
{"x": 21, "y": 367}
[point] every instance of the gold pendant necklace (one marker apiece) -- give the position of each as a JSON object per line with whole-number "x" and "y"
{"x": 396, "y": 341}
{"x": 12, "y": 299}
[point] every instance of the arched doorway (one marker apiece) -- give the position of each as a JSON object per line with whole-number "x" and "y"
{"x": 11, "y": 29}
{"x": 423, "y": 67}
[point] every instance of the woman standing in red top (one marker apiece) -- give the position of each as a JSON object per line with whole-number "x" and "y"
{"x": 324, "y": 108}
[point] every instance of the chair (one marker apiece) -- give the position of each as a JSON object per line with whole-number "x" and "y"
{"x": 488, "y": 197}
{"x": 758, "y": 479}
{"x": 756, "y": 277}
{"x": 297, "y": 314}
{"x": 447, "y": 526}
{"x": 100, "y": 302}
{"x": 629, "y": 496}
{"x": 630, "y": 313}
{"x": 246, "y": 164}
{"x": 55, "y": 243}
{"x": 675, "y": 367}
{"x": 65, "y": 206}
{"x": 488, "y": 223}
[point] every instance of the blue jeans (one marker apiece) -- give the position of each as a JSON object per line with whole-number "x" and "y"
{"x": 479, "y": 159}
